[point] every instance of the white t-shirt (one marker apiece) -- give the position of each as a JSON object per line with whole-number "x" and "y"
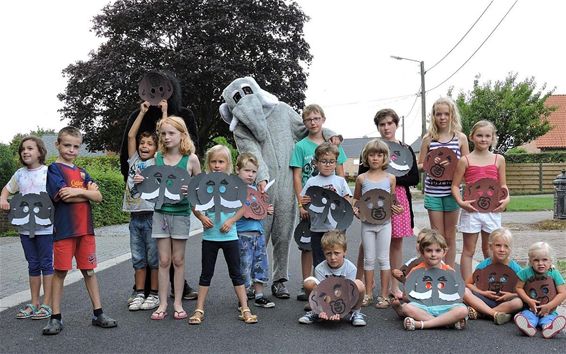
{"x": 133, "y": 203}
{"x": 347, "y": 270}
{"x": 30, "y": 181}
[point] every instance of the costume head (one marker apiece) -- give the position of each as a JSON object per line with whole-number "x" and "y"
{"x": 162, "y": 184}
{"x": 31, "y": 210}
{"x": 333, "y": 209}
{"x": 154, "y": 87}
{"x": 434, "y": 286}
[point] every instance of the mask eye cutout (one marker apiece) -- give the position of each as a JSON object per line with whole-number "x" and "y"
{"x": 503, "y": 279}
{"x": 324, "y": 201}
{"x": 158, "y": 177}
{"x": 210, "y": 187}
{"x": 441, "y": 285}
{"x": 380, "y": 203}
{"x": 544, "y": 290}
{"x": 26, "y": 209}
{"x": 223, "y": 185}
{"x": 247, "y": 90}
{"x": 237, "y": 97}
{"x": 428, "y": 285}
{"x": 533, "y": 294}
{"x": 333, "y": 206}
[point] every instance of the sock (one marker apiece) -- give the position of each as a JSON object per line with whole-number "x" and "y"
{"x": 56, "y": 316}
{"x": 139, "y": 291}
{"x": 97, "y": 312}
{"x": 258, "y": 295}
{"x": 153, "y": 292}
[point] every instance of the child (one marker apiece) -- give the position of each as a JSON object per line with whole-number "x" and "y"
{"x": 253, "y": 251}
{"x": 376, "y": 239}
{"x": 444, "y": 131}
{"x": 335, "y": 265}
{"x": 499, "y": 306}
{"x": 143, "y": 247}
{"x": 481, "y": 163}
{"x": 433, "y": 249}
{"x": 303, "y": 164}
{"x": 539, "y": 314}
{"x": 71, "y": 189}
{"x": 326, "y": 156}
{"x": 171, "y": 223}
{"x": 401, "y": 274}
{"x": 32, "y": 178}
{"x": 216, "y": 237}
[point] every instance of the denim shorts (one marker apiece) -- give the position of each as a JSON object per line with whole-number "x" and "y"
{"x": 446, "y": 203}
{"x": 142, "y": 245}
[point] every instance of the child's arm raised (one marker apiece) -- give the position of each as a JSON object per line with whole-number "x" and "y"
{"x": 133, "y": 132}
{"x": 503, "y": 183}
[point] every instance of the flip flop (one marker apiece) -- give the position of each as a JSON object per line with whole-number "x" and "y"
{"x": 180, "y": 315}
{"x": 158, "y": 315}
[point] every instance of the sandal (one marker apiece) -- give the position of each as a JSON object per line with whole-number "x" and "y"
{"x": 500, "y": 318}
{"x": 382, "y": 302}
{"x": 247, "y": 317}
{"x": 158, "y": 315}
{"x": 197, "y": 317}
{"x": 43, "y": 312}
{"x": 179, "y": 315}
{"x": 409, "y": 324}
{"x": 461, "y": 324}
{"x": 367, "y": 300}
{"x": 473, "y": 314}
{"x": 27, "y": 311}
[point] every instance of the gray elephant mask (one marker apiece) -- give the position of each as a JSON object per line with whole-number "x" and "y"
{"x": 30, "y": 210}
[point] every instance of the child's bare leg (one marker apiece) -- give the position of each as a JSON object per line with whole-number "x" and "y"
{"x": 201, "y": 299}
{"x": 512, "y": 306}
{"x": 369, "y": 275}
{"x": 240, "y": 291}
{"x": 309, "y": 286}
{"x": 361, "y": 290}
{"x": 436, "y": 219}
{"x": 139, "y": 276}
{"x": 468, "y": 251}
{"x": 91, "y": 284}
{"x": 154, "y": 279}
{"x": 396, "y": 260}
{"x": 360, "y": 263}
{"x": 258, "y": 287}
{"x": 47, "y": 289}
{"x": 385, "y": 276}
{"x": 450, "y": 221}
{"x": 178, "y": 259}
{"x": 485, "y": 244}
{"x": 34, "y": 287}
{"x": 472, "y": 300}
{"x": 57, "y": 289}
{"x": 446, "y": 319}
{"x": 416, "y": 313}
{"x": 306, "y": 263}
{"x": 164, "y": 251}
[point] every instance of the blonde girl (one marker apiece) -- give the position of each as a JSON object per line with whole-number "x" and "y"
{"x": 444, "y": 130}
{"x": 171, "y": 223}
{"x": 376, "y": 239}
{"x": 216, "y": 237}
{"x": 497, "y": 306}
{"x": 481, "y": 163}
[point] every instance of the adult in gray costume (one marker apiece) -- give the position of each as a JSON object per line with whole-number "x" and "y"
{"x": 268, "y": 129}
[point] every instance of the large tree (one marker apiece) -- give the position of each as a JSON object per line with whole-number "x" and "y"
{"x": 206, "y": 43}
{"x": 515, "y": 107}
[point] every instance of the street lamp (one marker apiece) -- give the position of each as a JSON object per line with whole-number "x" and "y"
{"x": 423, "y": 91}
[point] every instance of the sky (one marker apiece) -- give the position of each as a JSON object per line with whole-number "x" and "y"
{"x": 351, "y": 76}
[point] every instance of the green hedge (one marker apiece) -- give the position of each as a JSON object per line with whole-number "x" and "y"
{"x": 111, "y": 185}
{"x": 545, "y": 157}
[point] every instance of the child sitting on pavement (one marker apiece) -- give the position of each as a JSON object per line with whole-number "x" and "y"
{"x": 334, "y": 247}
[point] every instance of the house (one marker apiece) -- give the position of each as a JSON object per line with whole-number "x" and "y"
{"x": 50, "y": 139}
{"x": 555, "y": 139}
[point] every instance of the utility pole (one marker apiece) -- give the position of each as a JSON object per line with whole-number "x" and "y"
{"x": 403, "y": 129}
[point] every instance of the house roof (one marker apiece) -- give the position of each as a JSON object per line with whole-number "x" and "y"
{"x": 353, "y": 147}
{"x": 50, "y": 139}
{"x": 556, "y": 137}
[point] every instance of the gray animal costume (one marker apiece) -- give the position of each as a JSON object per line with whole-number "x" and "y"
{"x": 268, "y": 129}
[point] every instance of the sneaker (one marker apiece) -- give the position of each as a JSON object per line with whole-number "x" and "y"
{"x": 308, "y": 318}
{"x": 279, "y": 290}
{"x": 189, "y": 293}
{"x": 302, "y": 295}
{"x": 137, "y": 302}
{"x": 250, "y": 292}
{"x": 54, "y": 326}
{"x": 132, "y": 297}
{"x": 263, "y": 302}
{"x": 501, "y": 318}
{"x": 524, "y": 325}
{"x": 358, "y": 319}
{"x": 151, "y": 302}
{"x": 554, "y": 327}
{"x": 104, "y": 321}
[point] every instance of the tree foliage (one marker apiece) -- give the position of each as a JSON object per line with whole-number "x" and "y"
{"x": 206, "y": 43}
{"x": 39, "y": 132}
{"x": 515, "y": 107}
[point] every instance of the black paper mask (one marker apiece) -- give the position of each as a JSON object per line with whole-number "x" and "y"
{"x": 375, "y": 206}
{"x": 434, "y": 286}
{"x": 256, "y": 204}
{"x": 155, "y": 87}
{"x": 333, "y": 209}
{"x": 31, "y": 210}
{"x": 495, "y": 277}
{"x": 400, "y": 159}
{"x": 162, "y": 184}
{"x": 302, "y": 235}
{"x": 487, "y": 193}
{"x": 436, "y": 170}
{"x": 334, "y": 296}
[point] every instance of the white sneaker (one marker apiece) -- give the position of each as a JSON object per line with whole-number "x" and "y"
{"x": 150, "y": 303}
{"x": 358, "y": 319}
{"x": 136, "y": 302}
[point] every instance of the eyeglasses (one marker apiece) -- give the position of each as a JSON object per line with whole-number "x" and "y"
{"x": 327, "y": 162}
{"x": 312, "y": 120}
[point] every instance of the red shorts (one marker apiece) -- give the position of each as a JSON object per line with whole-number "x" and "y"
{"x": 82, "y": 248}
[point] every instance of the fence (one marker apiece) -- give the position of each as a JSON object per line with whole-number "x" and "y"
{"x": 532, "y": 177}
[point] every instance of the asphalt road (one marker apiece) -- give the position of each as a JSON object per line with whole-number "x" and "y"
{"x": 277, "y": 331}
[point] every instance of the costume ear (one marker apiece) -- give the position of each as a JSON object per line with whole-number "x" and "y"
{"x": 225, "y": 113}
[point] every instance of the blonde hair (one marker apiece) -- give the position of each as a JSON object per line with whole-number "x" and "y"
{"x": 334, "y": 238}
{"x": 432, "y": 237}
{"x": 376, "y": 146}
{"x": 186, "y": 146}
{"x": 539, "y": 248}
{"x": 218, "y": 149}
{"x": 455, "y": 123}
{"x": 245, "y": 158}
{"x": 313, "y": 108}
{"x": 502, "y": 233}
{"x": 483, "y": 124}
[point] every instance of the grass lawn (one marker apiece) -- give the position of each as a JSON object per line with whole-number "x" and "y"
{"x": 531, "y": 202}
{"x": 561, "y": 265}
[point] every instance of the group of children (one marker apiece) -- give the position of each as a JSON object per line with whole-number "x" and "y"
{"x": 158, "y": 236}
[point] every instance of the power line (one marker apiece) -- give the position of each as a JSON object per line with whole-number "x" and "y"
{"x": 478, "y": 48}
{"x": 461, "y": 39}
{"x": 413, "y": 106}
{"x": 370, "y": 101}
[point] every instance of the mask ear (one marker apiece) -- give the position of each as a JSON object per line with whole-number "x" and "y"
{"x": 225, "y": 113}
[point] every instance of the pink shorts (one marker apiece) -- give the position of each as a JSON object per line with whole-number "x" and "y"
{"x": 82, "y": 248}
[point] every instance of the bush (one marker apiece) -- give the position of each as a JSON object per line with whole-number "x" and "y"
{"x": 8, "y": 164}
{"x": 516, "y": 150}
{"x": 544, "y": 157}
{"x": 111, "y": 184}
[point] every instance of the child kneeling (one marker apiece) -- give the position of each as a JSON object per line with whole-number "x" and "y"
{"x": 336, "y": 265}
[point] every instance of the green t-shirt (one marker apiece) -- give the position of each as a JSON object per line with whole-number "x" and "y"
{"x": 184, "y": 206}
{"x": 303, "y": 158}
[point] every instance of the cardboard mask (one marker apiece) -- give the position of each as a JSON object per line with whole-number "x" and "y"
{"x": 434, "y": 286}
{"x": 495, "y": 277}
{"x": 375, "y": 206}
{"x": 541, "y": 288}
{"x": 155, "y": 87}
{"x": 487, "y": 193}
{"x": 406, "y": 268}
{"x": 256, "y": 204}
{"x": 31, "y": 210}
{"x": 218, "y": 192}
{"x": 334, "y": 296}
{"x": 329, "y": 208}
{"x": 400, "y": 159}
{"x": 436, "y": 170}
{"x": 302, "y": 235}
{"x": 162, "y": 184}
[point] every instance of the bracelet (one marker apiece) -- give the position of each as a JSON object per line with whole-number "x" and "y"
{"x": 300, "y": 205}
